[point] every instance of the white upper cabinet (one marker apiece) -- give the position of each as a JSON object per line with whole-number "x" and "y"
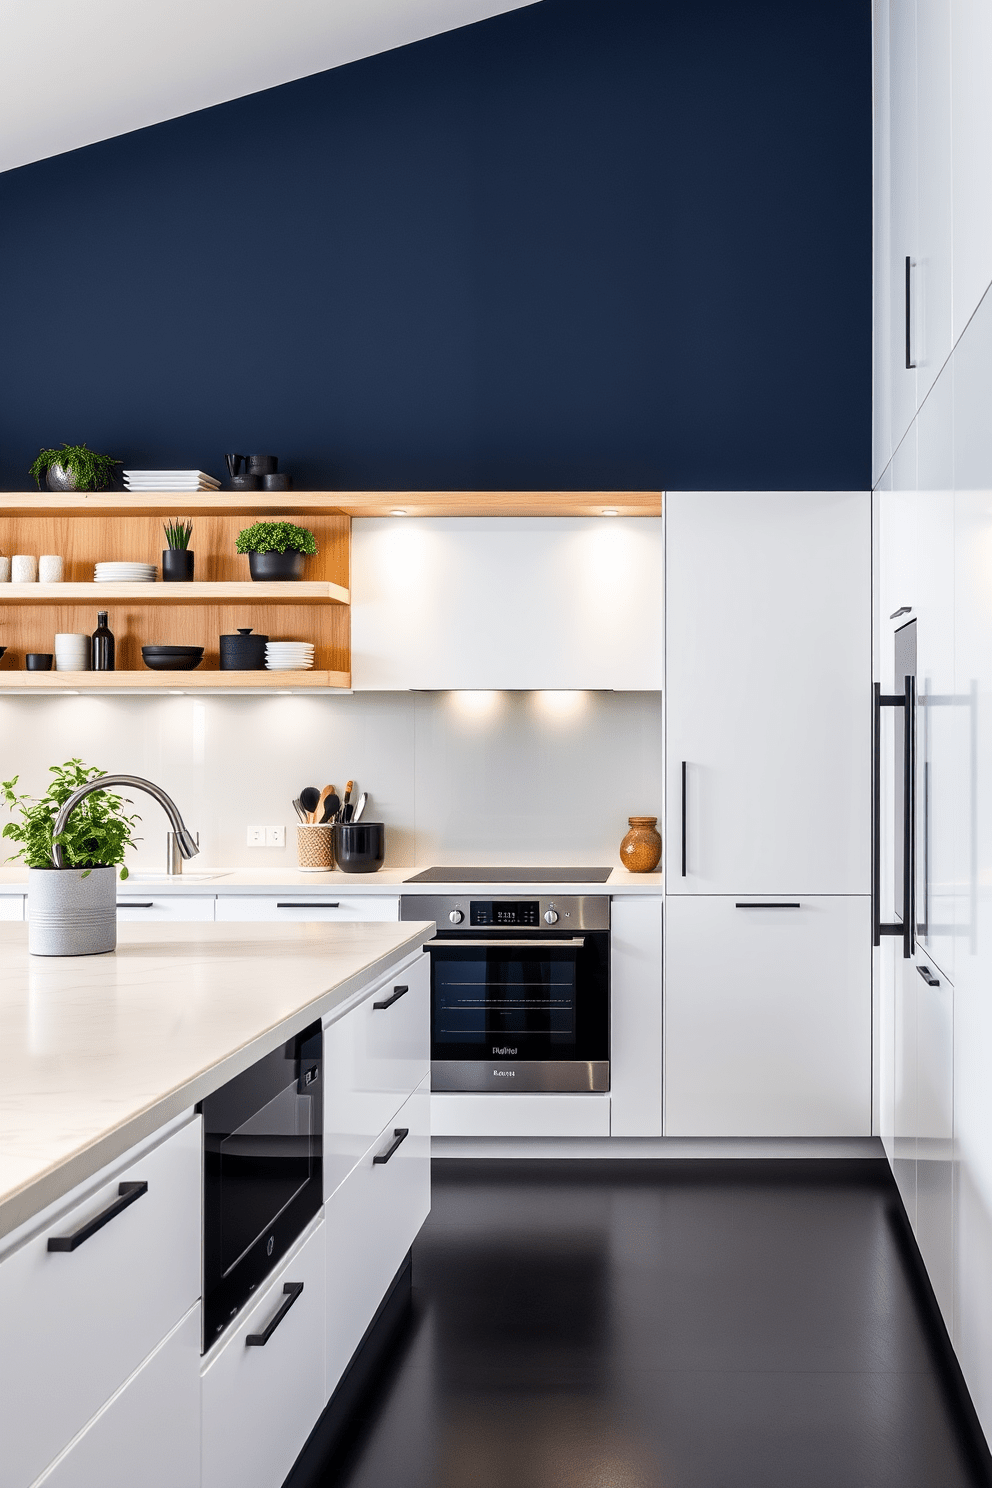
{"x": 768, "y": 692}
{"x": 971, "y": 58}
{"x": 506, "y": 602}
{"x": 903, "y": 219}
{"x": 932, "y": 332}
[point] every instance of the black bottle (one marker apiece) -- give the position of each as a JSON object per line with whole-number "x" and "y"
{"x": 102, "y": 646}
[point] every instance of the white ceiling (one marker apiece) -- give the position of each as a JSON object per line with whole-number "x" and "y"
{"x": 76, "y": 71}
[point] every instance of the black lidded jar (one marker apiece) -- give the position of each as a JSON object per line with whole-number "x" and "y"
{"x": 244, "y": 652}
{"x": 102, "y": 646}
{"x": 359, "y": 847}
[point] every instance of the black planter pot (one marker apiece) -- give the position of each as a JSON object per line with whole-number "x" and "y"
{"x": 359, "y": 847}
{"x": 288, "y": 565}
{"x": 177, "y": 565}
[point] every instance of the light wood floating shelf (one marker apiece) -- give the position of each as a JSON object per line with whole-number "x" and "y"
{"x": 331, "y": 503}
{"x": 149, "y": 681}
{"x": 230, "y": 592}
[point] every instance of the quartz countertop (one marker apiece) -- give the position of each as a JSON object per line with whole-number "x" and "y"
{"x": 99, "y": 1052}
{"x": 389, "y": 881}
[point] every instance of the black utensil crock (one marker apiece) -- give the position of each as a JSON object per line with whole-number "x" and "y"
{"x": 359, "y": 847}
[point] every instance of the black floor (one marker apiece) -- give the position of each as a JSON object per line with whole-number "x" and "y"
{"x": 648, "y": 1325}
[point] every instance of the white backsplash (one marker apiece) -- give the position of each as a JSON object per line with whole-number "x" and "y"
{"x": 458, "y": 777}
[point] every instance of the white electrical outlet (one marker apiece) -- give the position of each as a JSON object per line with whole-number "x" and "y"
{"x": 256, "y": 836}
{"x": 275, "y": 836}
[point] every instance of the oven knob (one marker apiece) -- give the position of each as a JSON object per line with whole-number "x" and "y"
{"x": 551, "y": 917}
{"x": 456, "y": 916}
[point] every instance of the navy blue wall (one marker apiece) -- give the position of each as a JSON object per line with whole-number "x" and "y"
{"x": 591, "y": 243}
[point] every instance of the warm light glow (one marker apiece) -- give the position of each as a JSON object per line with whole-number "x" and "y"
{"x": 397, "y": 511}
{"x": 609, "y": 511}
{"x": 476, "y": 705}
{"x": 561, "y": 707}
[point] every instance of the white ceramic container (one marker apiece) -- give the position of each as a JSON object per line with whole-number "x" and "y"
{"x": 71, "y": 912}
{"x": 4, "y": 570}
{"x": 72, "y": 652}
{"x": 50, "y": 568}
{"x": 24, "y": 568}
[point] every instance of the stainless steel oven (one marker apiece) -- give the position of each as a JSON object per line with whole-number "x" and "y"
{"x": 262, "y": 1172}
{"x": 520, "y": 991}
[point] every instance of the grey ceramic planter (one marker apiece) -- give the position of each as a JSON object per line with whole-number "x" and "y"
{"x": 69, "y": 915}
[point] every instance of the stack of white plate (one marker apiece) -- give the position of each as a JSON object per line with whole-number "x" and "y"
{"x": 72, "y": 652}
{"x": 288, "y": 656}
{"x": 125, "y": 573}
{"x": 169, "y": 480}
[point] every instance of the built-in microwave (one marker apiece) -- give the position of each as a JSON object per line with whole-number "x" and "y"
{"x": 262, "y": 1172}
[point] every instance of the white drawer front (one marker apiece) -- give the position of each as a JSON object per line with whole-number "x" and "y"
{"x": 168, "y": 907}
{"x": 322, "y": 904}
{"x": 11, "y": 906}
{"x": 74, "y": 1325}
{"x": 372, "y": 1220}
{"x": 261, "y": 1403}
{"x": 150, "y": 1431}
{"x": 374, "y": 1058}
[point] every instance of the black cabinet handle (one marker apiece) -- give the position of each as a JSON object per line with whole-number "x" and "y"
{"x": 133, "y": 904}
{"x": 910, "y": 364}
{"x": 905, "y": 700}
{"x": 400, "y": 1134}
{"x": 683, "y": 818}
{"x": 297, "y": 905}
{"x": 796, "y": 905}
{"x": 398, "y": 992}
{"x": 909, "y": 822}
{"x": 928, "y": 976}
{"x": 291, "y": 1291}
{"x": 127, "y": 1193}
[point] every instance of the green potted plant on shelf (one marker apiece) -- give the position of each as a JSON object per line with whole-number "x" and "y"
{"x": 276, "y": 550}
{"x": 74, "y": 467}
{"x": 72, "y": 910}
{"x": 177, "y": 558}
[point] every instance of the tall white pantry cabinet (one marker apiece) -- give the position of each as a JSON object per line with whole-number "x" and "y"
{"x": 768, "y": 814}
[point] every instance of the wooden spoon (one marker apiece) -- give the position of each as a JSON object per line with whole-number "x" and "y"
{"x": 318, "y": 810}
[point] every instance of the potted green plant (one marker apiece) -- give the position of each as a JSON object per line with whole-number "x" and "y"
{"x": 276, "y": 550}
{"x": 74, "y": 467}
{"x": 177, "y": 558}
{"x": 72, "y": 910}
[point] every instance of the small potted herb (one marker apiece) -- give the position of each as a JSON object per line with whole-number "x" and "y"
{"x": 177, "y": 559}
{"x": 276, "y": 550}
{"x": 73, "y": 910}
{"x": 74, "y": 467}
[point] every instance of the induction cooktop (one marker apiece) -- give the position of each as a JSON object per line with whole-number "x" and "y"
{"x": 510, "y": 875}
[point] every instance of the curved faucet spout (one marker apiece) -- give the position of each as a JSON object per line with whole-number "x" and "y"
{"x": 185, "y": 841}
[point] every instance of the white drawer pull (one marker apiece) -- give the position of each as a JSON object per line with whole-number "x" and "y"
{"x": 126, "y": 1195}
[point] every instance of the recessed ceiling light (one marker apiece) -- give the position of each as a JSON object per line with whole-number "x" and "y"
{"x": 397, "y": 511}
{"x": 609, "y": 511}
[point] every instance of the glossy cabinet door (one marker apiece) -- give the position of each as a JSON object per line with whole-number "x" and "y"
{"x": 635, "y": 1017}
{"x": 905, "y": 1086}
{"x": 883, "y": 306}
{"x": 903, "y": 214}
{"x": 768, "y": 692}
{"x": 935, "y": 1129}
{"x": 971, "y": 106}
{"x": 323, "y": 904}
{"x": 932, "y": 248}
{"x": 768, "y": 1017}
{"x": 150, "y": 909}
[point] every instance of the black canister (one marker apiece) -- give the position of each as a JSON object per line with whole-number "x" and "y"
{"x": 244, "y": 652}
{"x": 359, "y": 847}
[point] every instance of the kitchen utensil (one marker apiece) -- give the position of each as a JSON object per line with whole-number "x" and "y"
{"x": 298, "y": 808}
{"x": 331, "y": 808}
{"x": 236, "y": 465}
{"x": 24, "y": 568}
{"x": 359, "y": 847}
{"x": 244, "y": 652}
{"x": 345, "y": 808}
{"x": 318, "y": 810}
{"x": 309, "y": 796}
{"x": 172, "y": 658}
{"x": 50, "y": 568}
{"x": 39, "y": 661}
{"x": 363, "y": 801}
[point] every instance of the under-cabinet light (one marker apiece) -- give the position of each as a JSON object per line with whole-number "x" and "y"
{"x": 609, "y": 511}
{"x": 397, "y": 511}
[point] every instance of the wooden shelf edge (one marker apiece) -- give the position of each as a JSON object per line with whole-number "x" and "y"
{"x": 233, "y": 591}
{"x": 332, "y": 503}
{"x": 150, "y": 681}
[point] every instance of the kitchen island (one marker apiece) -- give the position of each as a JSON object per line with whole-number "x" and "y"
{"x": 103, "y": 1061}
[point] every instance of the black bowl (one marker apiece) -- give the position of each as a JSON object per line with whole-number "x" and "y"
{"x": 39, "y": 661}
{"x": 172, "y": 658}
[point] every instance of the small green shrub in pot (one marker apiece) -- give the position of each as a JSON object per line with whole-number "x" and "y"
{"x": 72, "y": 910}
{"x": 74, "y": 467}
{"x": 276, "y": 550}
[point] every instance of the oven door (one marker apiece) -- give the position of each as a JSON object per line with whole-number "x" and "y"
{"x": 516, "y": 1013}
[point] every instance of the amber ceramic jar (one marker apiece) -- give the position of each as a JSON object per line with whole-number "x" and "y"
{"x": 640, "y": 850}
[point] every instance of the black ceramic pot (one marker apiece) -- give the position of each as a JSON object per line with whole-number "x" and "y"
{"x": 246, "y": 483}
{"x": 243, "y": 652}
{"x": 177, "y": 565}
{"x": 261, "y": 464}
{"x": 359, "y": 847}
{"x": 39, "y": 661}
{"x": 288, "y": 565}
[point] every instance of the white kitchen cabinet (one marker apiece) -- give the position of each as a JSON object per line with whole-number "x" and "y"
{"x": 487, "y": 1115}
{"x": 115, "y": 1449}
{"x": 371, "y": 1222}
{"x": 767, "y": 1017}
{"x": 905, "y": 1094}
{"x": 150, "y": 909}
{"x": 768, "y": 692}
{"x": 101, "y": 1307}
{"x": 261, "y": 1399}
{"x": 882, "y": 265}
{"x": 932, "y": 249}
{"x": 635, "y": 1017}
{"x": 935, "y": 1129}
{"x": 485, "y": 603}
{"x": 11, "y": 906}
{"x": 971, "y": 110}
{"x": 374, "y": 1058}
{"x": 903, "y": 216}
{"x": 323, "y": 904}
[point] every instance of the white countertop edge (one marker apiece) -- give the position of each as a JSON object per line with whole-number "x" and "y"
{"x": 387, "y": 882}
{"x": 45, "y": 1187}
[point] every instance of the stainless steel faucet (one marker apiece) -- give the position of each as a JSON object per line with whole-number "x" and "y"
{"x": 186, "y": 843}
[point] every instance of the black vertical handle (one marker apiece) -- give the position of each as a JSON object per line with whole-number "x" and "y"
{"x": 683, "y": 819}
{"x": 909, "y": 821}
{"x": 910, "y": 364}
{"x": 876, "y": 814}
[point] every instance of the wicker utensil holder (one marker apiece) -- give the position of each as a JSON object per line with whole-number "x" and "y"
{"x": 314, "y": 848}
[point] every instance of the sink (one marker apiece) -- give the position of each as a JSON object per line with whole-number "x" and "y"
{"x": 170, "y": 878}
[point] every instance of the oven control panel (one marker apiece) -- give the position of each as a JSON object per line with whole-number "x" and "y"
{"x": 463, "y": 914}
{"x": 505, "y": 912}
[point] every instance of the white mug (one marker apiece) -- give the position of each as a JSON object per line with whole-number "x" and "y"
{"x": 24, "y": 568}
{"x": 4, "y": 570}
{"x": 50, "y": 568}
